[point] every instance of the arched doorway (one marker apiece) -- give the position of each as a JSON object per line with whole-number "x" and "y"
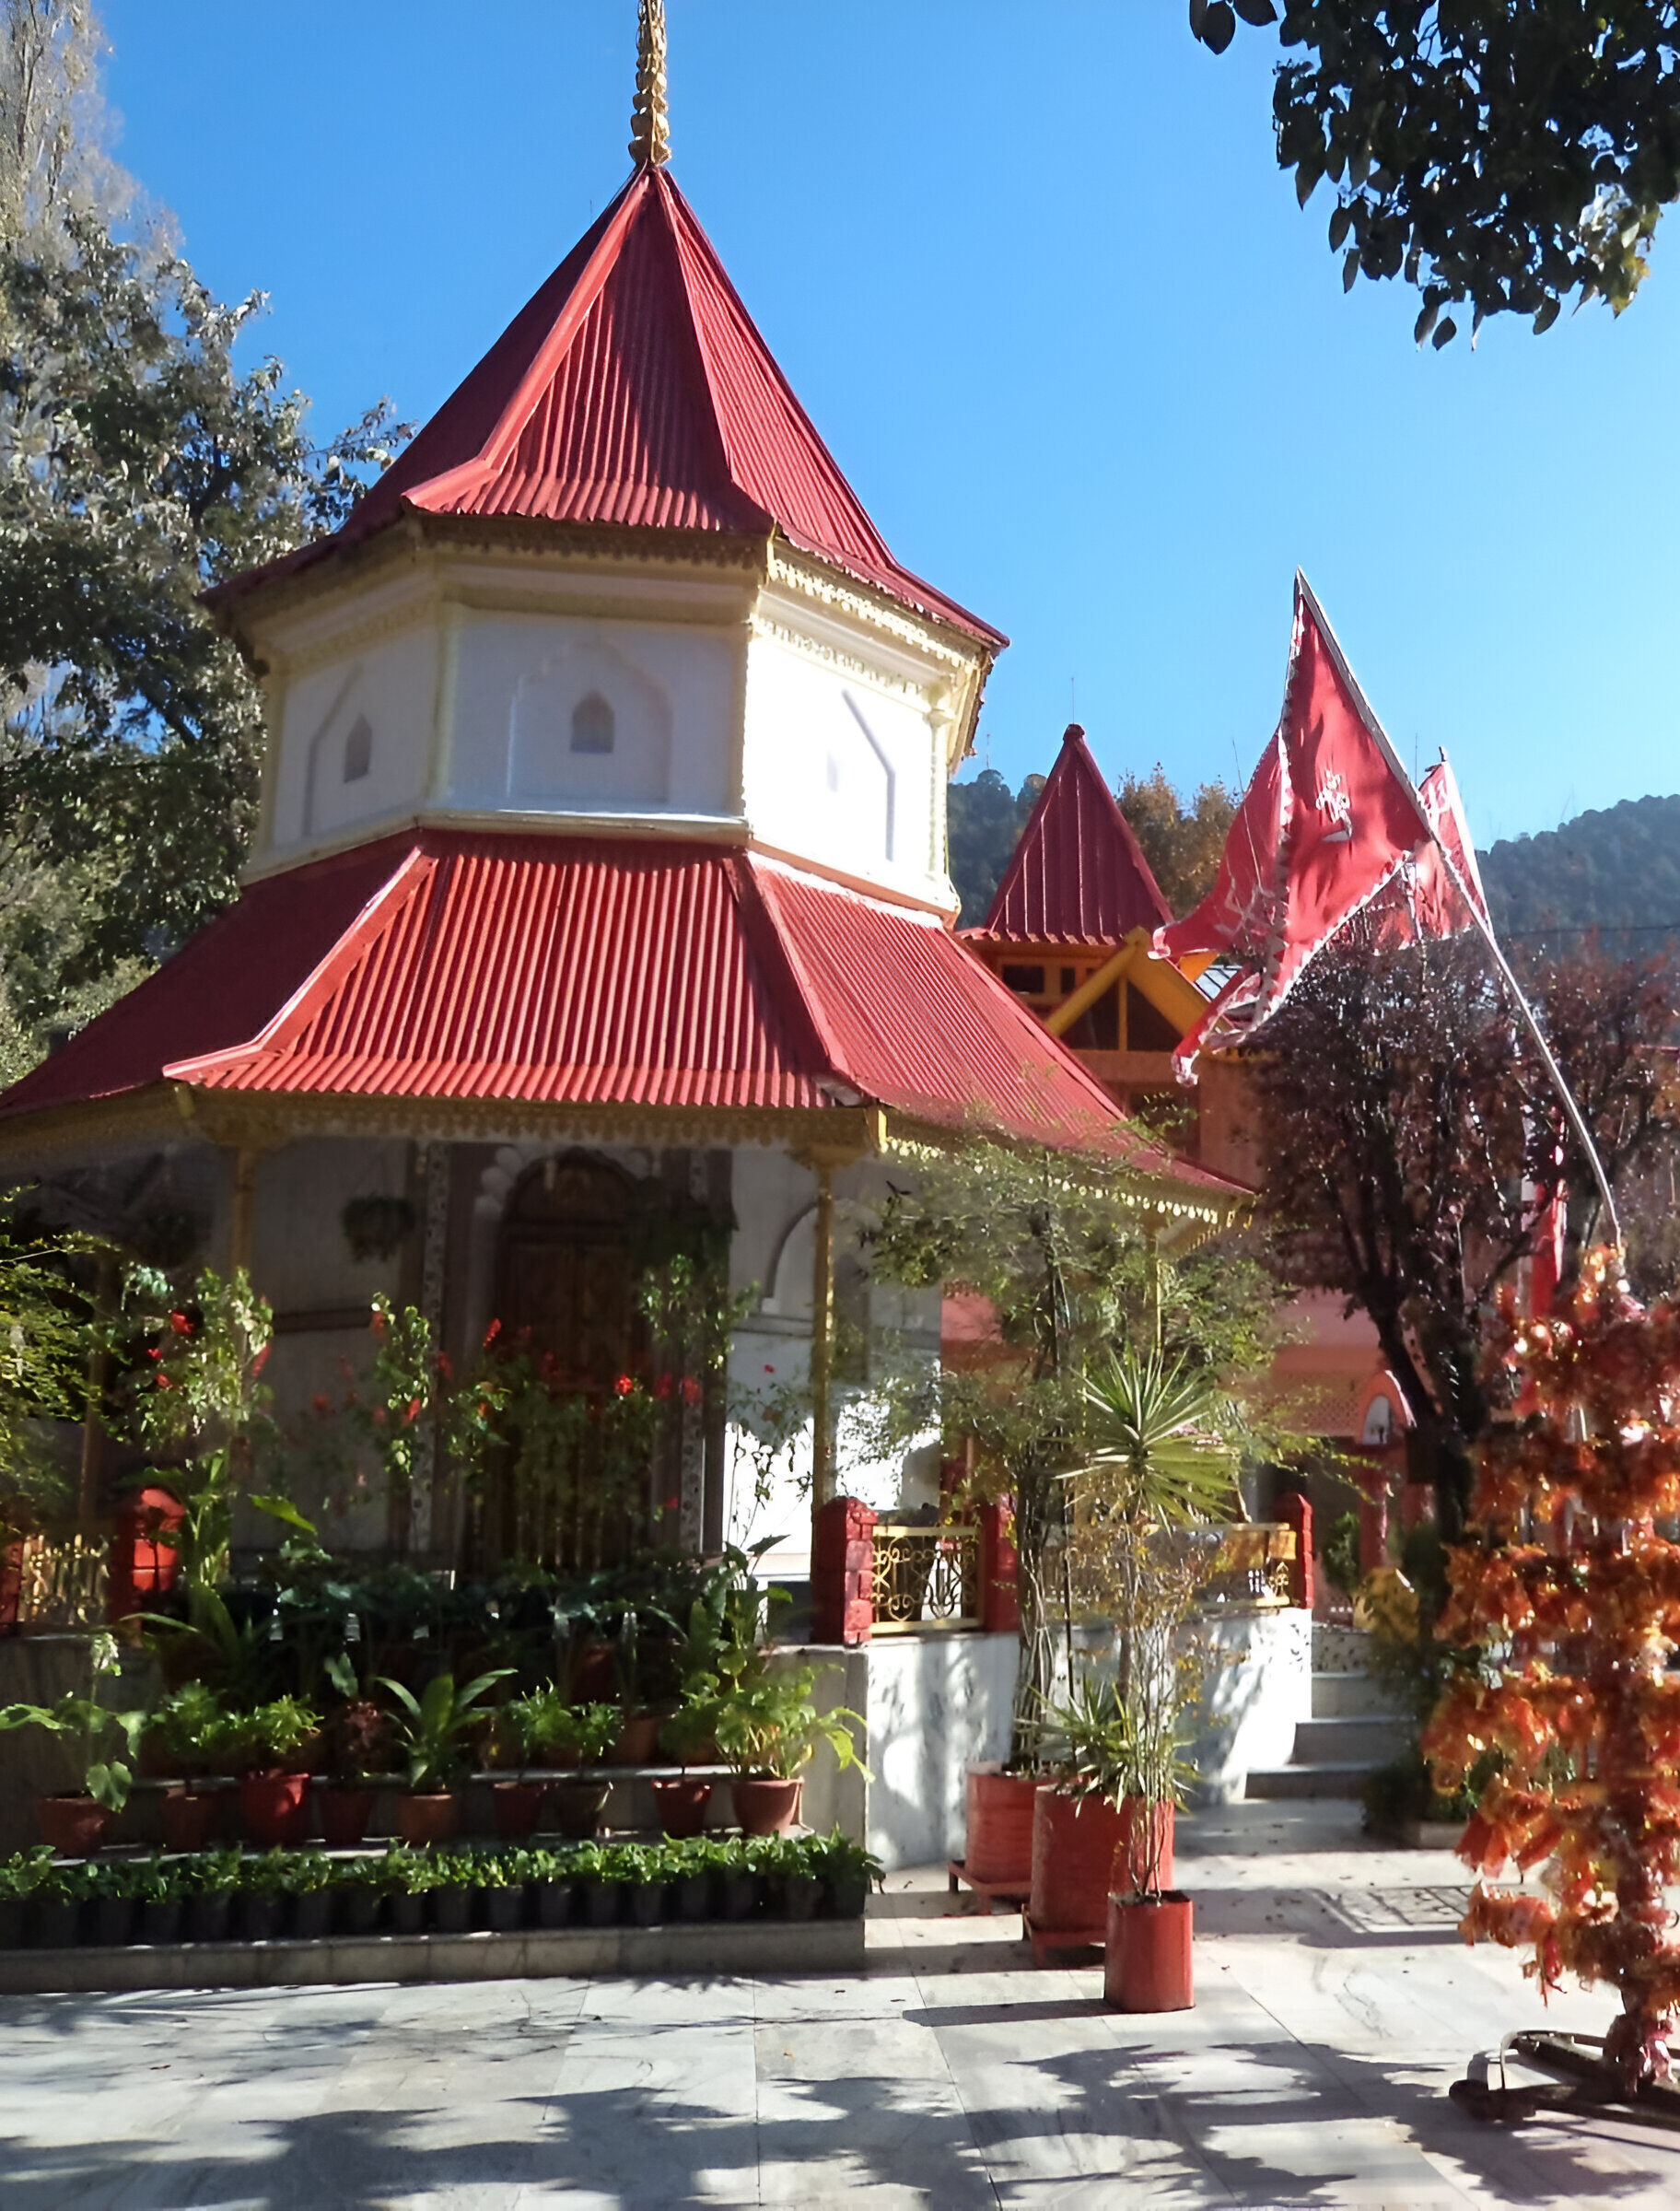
{"x": 574, "y": 1491}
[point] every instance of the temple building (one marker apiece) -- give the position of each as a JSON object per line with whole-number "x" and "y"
{"x": 600, "y": 882}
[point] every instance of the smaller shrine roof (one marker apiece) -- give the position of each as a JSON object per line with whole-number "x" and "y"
{"x": 593, "y": 972}
{"x": 1078, "y": 875}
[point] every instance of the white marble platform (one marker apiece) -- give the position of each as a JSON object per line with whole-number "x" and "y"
{"x": 1335, "y": 2006}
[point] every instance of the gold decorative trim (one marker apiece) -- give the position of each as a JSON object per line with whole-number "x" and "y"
{"x": 811, "y": 578}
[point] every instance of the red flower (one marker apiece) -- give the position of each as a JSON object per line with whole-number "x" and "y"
{"x": 661, "y": 1389}
{"x": 321, "y": 1403}
{"x": 490, "y": 1333}
{"x": 671, "y": 1504}
{"x": 377, "y": 1323}
{"x": 181, "y": 1323}
{"x": 163, "y": 1382}
{"x": 413, "y": 1409}
{"x": 260, "y": 1361}
{"x": 692, "y": 1391}
{"x": 153, "y": 1353}
{"x": 446, "y": 1372}
{"x": 623, "y": 1386}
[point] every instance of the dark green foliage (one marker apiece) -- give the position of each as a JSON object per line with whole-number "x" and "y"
{"x": 1340, "y": 1552}
{"x": 1613, "y": 869}
{"x": 1501, "y": 154}
{"x": 144, "y": 468}
{"x": 983, "y": 826}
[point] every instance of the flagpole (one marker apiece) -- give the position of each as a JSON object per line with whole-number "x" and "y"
{"x": 1378, "y": 736}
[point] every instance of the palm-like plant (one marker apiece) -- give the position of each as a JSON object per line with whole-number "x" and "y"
{"x": 430, "y": 1727}
{"x": 1161, "y": 1469}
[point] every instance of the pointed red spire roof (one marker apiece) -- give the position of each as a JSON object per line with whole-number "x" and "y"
{"x": 1077, "y": 875}
{"x": 634, "y": 388}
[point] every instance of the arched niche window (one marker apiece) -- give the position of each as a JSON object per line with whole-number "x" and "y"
{"x": 358, "y": 750}
{"x": 593, "y": 725}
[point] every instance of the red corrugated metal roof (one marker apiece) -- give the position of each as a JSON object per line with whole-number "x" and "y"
{"x": 1078, "y": 875}
{"x": 634, "y": 389}
{"x": 590, "y": 972}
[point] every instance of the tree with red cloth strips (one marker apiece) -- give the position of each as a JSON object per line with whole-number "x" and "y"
{"x": 1573, "y": 1598}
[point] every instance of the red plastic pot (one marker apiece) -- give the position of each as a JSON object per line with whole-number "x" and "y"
{"x": 343, "y": 1814}
{"x": 1074, "y": 1842}
{"x": 187, "y": 1818}
{"x": 75, "y": 1826}
{"x": 422, "y": 1819}
{"x": 999, "y": 1846}
{"x": 680, "y": 1806}
{"x": 274, "y": 1808}
{"x": 638, "y": 1740}
{"x": 517, "y": 1805}
{"x": 1146, "y": 1966}
{"x": 764, "y": 1803}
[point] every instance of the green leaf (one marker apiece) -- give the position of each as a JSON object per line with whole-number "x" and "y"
{"x": 282, "y": 1508}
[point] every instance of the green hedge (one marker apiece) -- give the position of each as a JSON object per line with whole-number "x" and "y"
{"x": 35, "y": 1877}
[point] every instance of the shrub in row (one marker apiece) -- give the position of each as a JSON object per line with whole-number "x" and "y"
{"x": 232, "y": 1895}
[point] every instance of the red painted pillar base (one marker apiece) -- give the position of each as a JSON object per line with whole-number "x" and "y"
{"x": 843, "y": 1572}
{"x": 1000, "y": 1594}
{"x": 1295, "y": 1511}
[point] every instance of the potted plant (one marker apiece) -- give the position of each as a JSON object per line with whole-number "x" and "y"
{"x": 768, "y": 1728}
{"x": 209, "y": 1902}
{"x": 552, "y": 1888}
{"x": 158, "y": 1885}
{"x": 105, "y": 1748}
{"x": 681, "y": 1799}
{"x": 568, "y": 1735}
{"x": 20, "y": 1876}
{"x": 309, "y": 1883}
{"x": 528, "y": 1723}
{"x": 264, "y": 1745}
{"x": 431, "y": 1731}
{"x": 846, "y": 1871}
{"x": 597, "y": 1890}
{"x": 1160, "y": 1474}
{"x": 188, "y": 1727}
{"x": 260, "y": 1900}
{"x": 359, "y": 1741}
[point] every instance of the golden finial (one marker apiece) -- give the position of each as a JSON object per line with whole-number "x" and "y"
{"x": 649, "y": 116}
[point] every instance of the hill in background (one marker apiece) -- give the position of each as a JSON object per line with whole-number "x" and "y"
{"x": 1616, "y": 870}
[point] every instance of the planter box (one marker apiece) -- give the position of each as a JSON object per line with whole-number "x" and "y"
{"x": 824, "y": 1946}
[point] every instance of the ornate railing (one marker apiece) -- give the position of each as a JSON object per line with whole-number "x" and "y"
{"x": 925, "y": 1577}
{"x": 64, "y": 1578}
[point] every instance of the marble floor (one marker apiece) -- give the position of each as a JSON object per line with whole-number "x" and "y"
{"x": 1335, "y": 2004}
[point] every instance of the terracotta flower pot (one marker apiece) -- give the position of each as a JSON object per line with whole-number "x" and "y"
{"x": 638, "y": 1739}
{"x": 274, "y": 1808}
{"x": 595, "y": 1675}
{"x": 999, "y": 1846}
{"x": 680, "y": 1806}
{"x": 578, "y": 1807}
{"x": 425, "y": 1818}
{"x": 1074, "y": 1842}
{"x": 344, "y": 1813}
{"x": 517, "y": 1805}
{"x": 1146, "y": 1966}
{"x": 764, "y": 1803}
{"x": 75, "y": 1826}
{"x": 187, "y": 1818}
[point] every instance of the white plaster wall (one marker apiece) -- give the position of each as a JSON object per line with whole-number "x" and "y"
{"x": 672, "y": 689}
{"x": 390, "y": 684}
{"x": 936, "y": 1704}
{"x": 840, "y": 770}
{"x": 1257, "y": 1690}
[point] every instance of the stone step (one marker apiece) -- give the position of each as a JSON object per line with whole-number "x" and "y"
{"x": 1373, "y": 1738}
{"x": 1278, "y": 1782}
{"x": 1352, "y": 1696}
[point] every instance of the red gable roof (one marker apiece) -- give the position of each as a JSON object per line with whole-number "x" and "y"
{"x": 1078, "y": 875}
{"x": 590, "y": 972}
{"x": 634, "y": 388}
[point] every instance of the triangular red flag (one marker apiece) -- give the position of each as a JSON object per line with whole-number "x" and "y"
{"x": 1328, "y": 824}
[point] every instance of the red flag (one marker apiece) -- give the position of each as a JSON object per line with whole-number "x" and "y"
{"x": 1423, "y": 900}
{"x": 1328, "y": 824}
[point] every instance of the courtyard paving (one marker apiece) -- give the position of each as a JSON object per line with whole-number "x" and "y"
{"x": 1335, "y": 2004}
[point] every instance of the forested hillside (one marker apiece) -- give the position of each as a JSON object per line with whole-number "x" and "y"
{"x": 1615, "y": 870}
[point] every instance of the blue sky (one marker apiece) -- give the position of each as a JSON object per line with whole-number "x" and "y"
{"x": 1035, "y": 275}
